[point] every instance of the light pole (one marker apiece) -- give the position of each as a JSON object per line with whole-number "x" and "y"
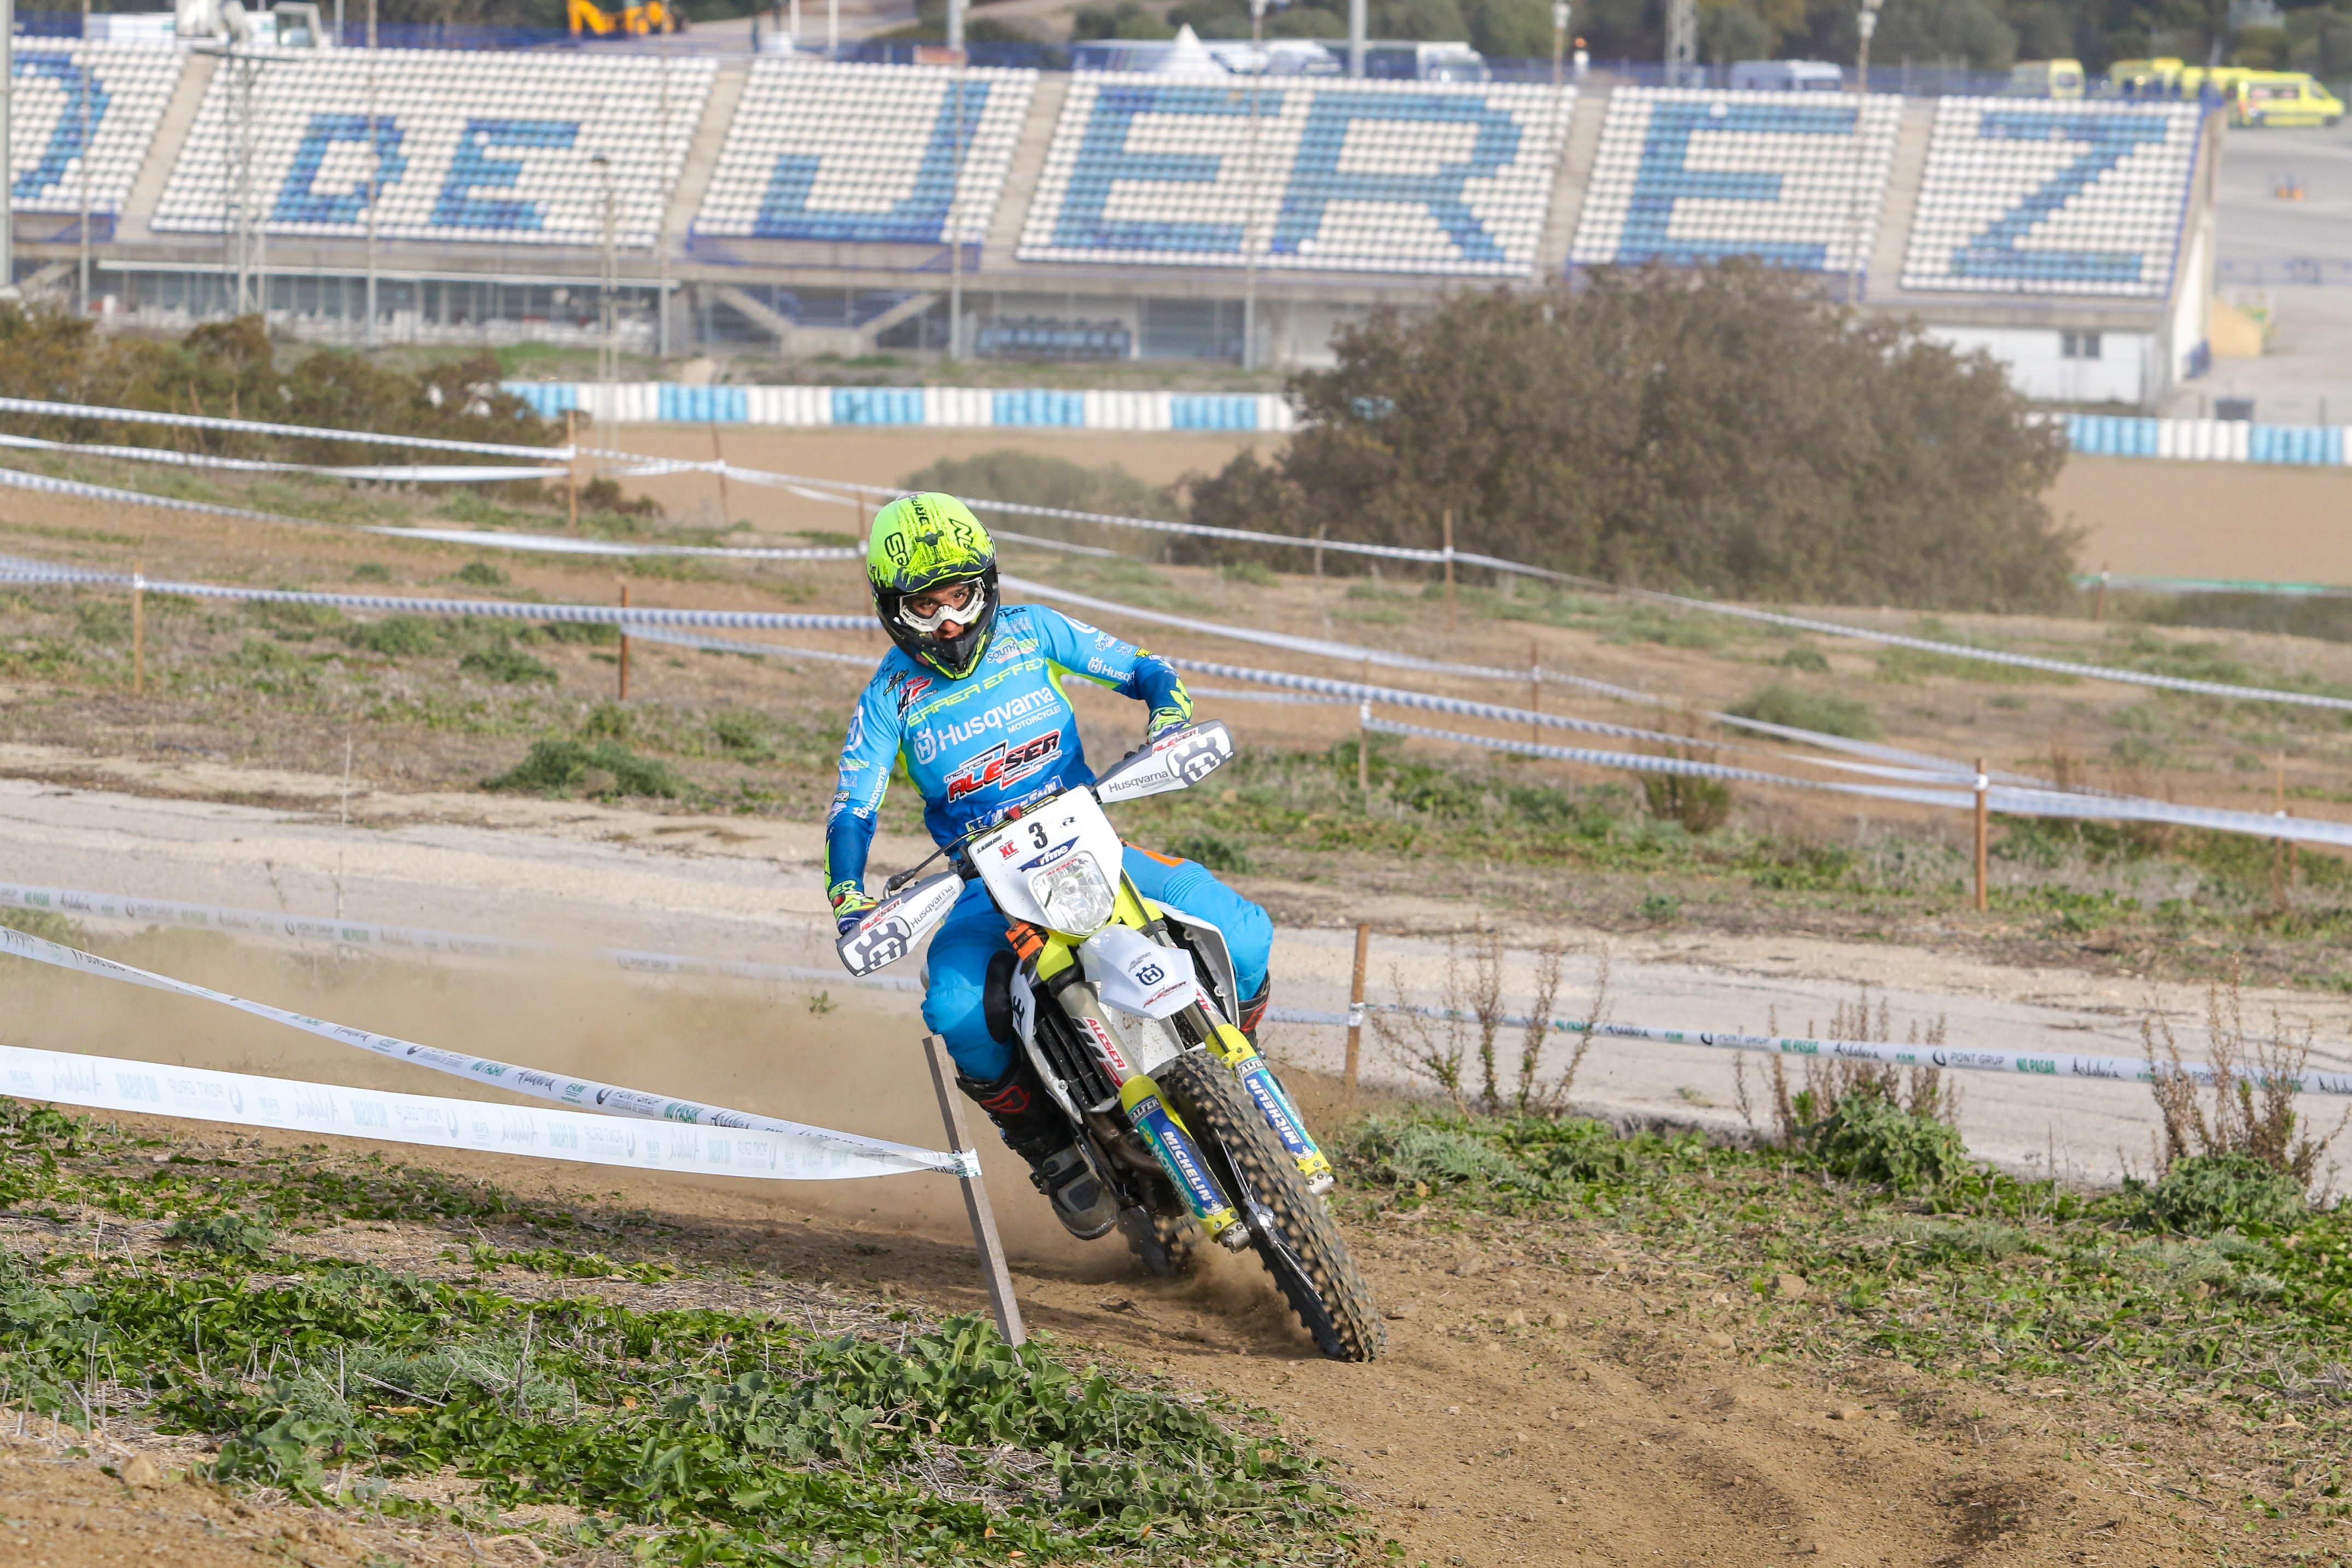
{"x": 81, "y": 95}
{"x": 661, "y": 225}
{"x": 7, "y": 109}
{"x": 608, "y": 352}
{"x": 1356, "y": 28}
{"x": 955, "y": 189}
{"x": 1559, "y": 38}
{"x": 1865, "y": 25}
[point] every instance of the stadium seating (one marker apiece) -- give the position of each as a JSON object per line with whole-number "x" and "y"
{"x": 1404, "y": 177}
{"x": 122, "y": 87}
{"x": 475, "y": 147}
{"x": 1687, "y": 177}
{"x": 820, "y": 151}
{"x": 2034, "y": 197}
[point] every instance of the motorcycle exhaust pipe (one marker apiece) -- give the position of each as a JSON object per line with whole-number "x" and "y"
{"x": 1149, "y": 1115}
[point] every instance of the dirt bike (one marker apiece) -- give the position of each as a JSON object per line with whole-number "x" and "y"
{"x": 1125, "y": 1007}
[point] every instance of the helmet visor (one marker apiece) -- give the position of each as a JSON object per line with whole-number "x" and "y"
{"x": 961, "y": 602}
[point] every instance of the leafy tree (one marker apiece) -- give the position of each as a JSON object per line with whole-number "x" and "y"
{"x": 1725, "y": 431}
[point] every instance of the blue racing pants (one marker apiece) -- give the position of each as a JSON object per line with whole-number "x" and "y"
{"x": 974, "y": 933}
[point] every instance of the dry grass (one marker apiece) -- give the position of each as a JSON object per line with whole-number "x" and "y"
{"x": 2245, "y": 1105}
{"x": 1439, "y": 1048}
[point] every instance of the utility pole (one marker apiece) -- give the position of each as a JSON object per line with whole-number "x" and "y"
{"x": 375, "y": 177}
{"x": 661, "y": 226}
{"x": 1865, "y": 24}
{"x": 8, "y": 112}
{"x": 81, "y": 95}
{"x": 1355, "y": 9}
{"x": 1249, "y": 220}
{"x": 955, "y": 189}
{"x": 608, "y": 352}
{"x": 1682, "y": 41}
{"x": 1559, "y": 39}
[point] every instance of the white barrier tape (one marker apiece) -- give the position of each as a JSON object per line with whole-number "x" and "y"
{"x": 767, "y": 650}
{"x": 17, "y": 479}
{"x": 408, "y": 940}
{"x": 409, "y": 473}
{"x": 564, "y": 544}
{"x": 284, "y": 1105}
{"x": 610, "y": 1099}
{"x": 2006, "y": 800}
{"x": 400, "y": 940}
{"x": 490, "y": 609}
{"x": 260, "y": 427}
{"x": 2105, "y": 1069}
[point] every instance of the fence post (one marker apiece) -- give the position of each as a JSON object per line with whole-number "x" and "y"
{"x": 1320, "y": 529}
{"x": 571, "y": 468}
{"x": 1453, "y": 611}
{"x": 1364, "y": 751}
{"x": 1535, "y": 690}
{"x": 720, "y": 457}
{"x": 2099, "y": 601}
{"x": 1983, "y": 786}
{"x": 624, "y": 645}
{"x": 1356, "y": 1009}
{"x": 139, "y": 628}
{"x": 2282, "y": 852}
{"x": 993, "y": 1273}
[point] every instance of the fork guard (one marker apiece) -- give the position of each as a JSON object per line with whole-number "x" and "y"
{"x": 1232, "y": 1047}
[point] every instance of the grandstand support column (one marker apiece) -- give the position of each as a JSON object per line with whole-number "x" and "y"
{"x": 1356, "y": 37}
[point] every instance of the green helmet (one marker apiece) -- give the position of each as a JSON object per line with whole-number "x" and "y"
{"x": 926, "y": 541}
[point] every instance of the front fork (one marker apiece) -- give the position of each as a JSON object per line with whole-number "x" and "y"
{"x": 1232, "y": 1046}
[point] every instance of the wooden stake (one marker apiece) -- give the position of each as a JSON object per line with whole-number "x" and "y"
{"x": 1983, "y": 787}
{"x": 993, "y": 1273}
{"x": 624, "y": 645}
{"x": 571, "y": 469}
{"x": 1452, "y": 609}
{"x": 725, "y": 519}
{"x": 1356, "y": 1007}
{"x": 139, "y": 628}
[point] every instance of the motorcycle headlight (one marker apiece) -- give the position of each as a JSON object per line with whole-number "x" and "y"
{"x": 1076, "y": 896}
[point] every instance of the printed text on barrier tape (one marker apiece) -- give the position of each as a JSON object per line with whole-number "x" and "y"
{"x": 533, "y": 1132}
{"x": 2000, "y": 797}
{"x": 610, "y": 1099}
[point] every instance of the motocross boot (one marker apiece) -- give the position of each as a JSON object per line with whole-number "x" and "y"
{"x": 1254, "y": 1011}
{"x": 1032, "y": 1127}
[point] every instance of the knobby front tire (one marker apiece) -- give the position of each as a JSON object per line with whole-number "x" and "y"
{"x": 1305, "y": 1256}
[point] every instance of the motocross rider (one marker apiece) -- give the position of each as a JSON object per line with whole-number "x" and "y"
{"x": 970, "y": 705}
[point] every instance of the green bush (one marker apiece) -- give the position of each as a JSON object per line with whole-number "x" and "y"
{"x": 561, "y": 765}
{"x": 1216, "y": 852}
{"x": 231, "y": 1235}
{"x": 1812, "y": 661}
{"x": 744, "y": 736}
{"x": 370, "y": 571}
{"x": 593, "y": 633}
{"x": 481, "y": 574}
{"x": 2203, "y": 1194}
{"x": 395, "y": 636}
{"x": 1822, "y": 711}
{"x": 507, "y": 664}
{"x": 1868, "y": 1137}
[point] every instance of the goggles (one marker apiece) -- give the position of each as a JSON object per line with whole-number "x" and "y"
{"x": 957, "y": 602}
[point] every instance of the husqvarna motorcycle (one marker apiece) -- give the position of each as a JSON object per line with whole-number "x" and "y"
{"x": 1125, "y": 1005}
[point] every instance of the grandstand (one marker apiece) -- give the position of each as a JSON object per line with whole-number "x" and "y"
{"x": 796, "y": 203}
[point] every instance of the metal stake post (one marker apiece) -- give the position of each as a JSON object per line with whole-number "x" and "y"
{"x": 139, "y": 628}
{"x": 624, "y": 644}
{"x": 993, "y": 1273}
{"x": 1983, "y": 786}
{"x": 1452, "y": 609}
{"x": 571, "y": 468}
{"x": 1364, "y": 751}
{"x": 1356, "y": 1007}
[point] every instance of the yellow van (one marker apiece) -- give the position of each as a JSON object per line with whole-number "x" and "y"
{"x": 2144, "y": 79}
{"x": 2282, "y": 98}
{"x": 2046, "y": 78}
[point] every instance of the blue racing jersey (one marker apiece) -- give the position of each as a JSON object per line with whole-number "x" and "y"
{"x": 1001, "y": 737}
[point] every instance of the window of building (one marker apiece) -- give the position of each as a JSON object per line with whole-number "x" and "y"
{"x": 2078, "y": 345}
